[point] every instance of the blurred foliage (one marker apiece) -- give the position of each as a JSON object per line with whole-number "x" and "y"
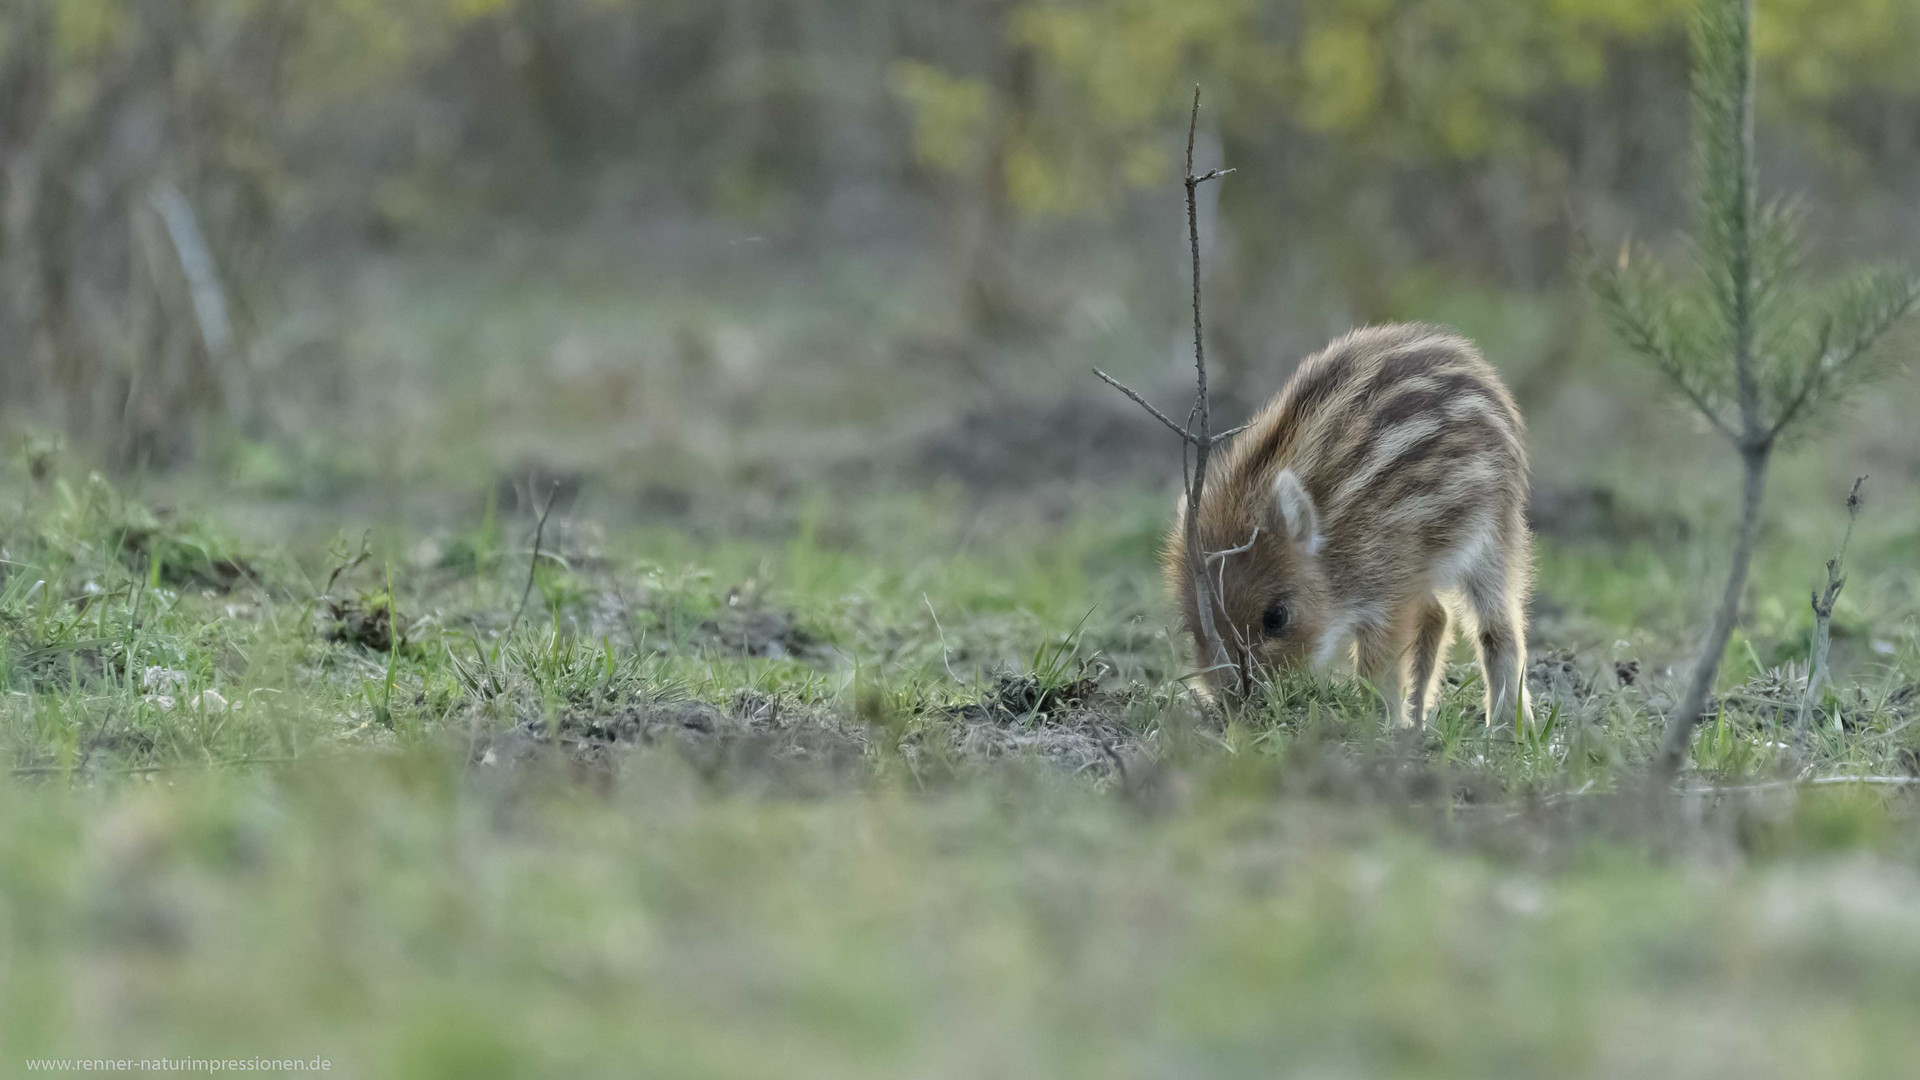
{"x": 1397, "y": 80}
{"x": 1390, "y": 135}
{"x": 1825, "y": 52}
{"x": 1751, "y": 343}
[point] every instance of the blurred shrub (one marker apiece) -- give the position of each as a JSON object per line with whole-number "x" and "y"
{"x": 1385, "y": 135}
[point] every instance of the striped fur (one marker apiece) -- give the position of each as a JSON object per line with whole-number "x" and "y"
{"x": 1388, "y": 482}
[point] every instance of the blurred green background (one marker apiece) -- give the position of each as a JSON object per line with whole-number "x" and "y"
{"x": 326, "y": 249}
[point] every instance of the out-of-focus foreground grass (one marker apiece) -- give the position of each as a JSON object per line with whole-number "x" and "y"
{"x": 400, "y": 919}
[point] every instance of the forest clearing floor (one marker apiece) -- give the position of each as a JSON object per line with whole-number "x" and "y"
{"x": 900, "y": 793}
{"x": 833, "y": 722}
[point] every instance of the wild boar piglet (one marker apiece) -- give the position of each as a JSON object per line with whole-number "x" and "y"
{"x": 1377, "y": 500}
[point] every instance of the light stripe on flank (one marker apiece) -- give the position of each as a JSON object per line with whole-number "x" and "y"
{"x": 1385, "y": 452}
{"x": 1341, "y": 630}
{"x": 1477, "y": 477}
{"x": 1468, "y": 557}
{"x": 1413, "y": 440}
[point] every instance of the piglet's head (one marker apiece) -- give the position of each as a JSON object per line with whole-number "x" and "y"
{"x": 1264, "y": 604}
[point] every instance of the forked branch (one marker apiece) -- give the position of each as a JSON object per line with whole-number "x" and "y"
{"x": 1823, "y": 611}
{"x": 1197, "y": 432}
{"x": 533, "y": 561}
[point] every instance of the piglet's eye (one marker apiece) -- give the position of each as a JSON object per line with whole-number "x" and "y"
{"x": 1274, "y": 622}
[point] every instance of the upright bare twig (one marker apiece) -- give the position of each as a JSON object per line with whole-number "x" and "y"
{"x": 1823, "y": 611}
{"x": 533, "y": 562}
{"x": 1197, "y": 433}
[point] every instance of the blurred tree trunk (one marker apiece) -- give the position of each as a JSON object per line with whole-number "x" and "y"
{"x": 542, "y": 28}
{"x": 26, "y": 91}
{"x": 991, "y": 297}
{"x": 119, "y": 341}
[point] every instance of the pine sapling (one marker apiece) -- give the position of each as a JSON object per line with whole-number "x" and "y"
{"x": 1745, "y": 338}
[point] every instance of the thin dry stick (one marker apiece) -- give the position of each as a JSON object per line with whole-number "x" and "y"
{"x": 533, "y": 562}
{"x": 175, "y": 766}
{"x": 1813, "y": 781}
{"x": 1823, "y": 613}
{"x": 1196, "y": 434}
{"x": 1218, "y": 559}
{"x": 1184, "y": 434}
{"x": 366, "y": 552}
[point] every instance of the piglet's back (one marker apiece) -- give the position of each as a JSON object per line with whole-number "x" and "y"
{"x": 1404, "y": 437}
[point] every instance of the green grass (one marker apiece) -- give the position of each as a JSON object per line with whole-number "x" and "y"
{"x": 187, "y": 647}
{"x": 825, "y": 805}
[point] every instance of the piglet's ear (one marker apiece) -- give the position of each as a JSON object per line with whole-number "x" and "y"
{"x": 1294, "y": 513}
